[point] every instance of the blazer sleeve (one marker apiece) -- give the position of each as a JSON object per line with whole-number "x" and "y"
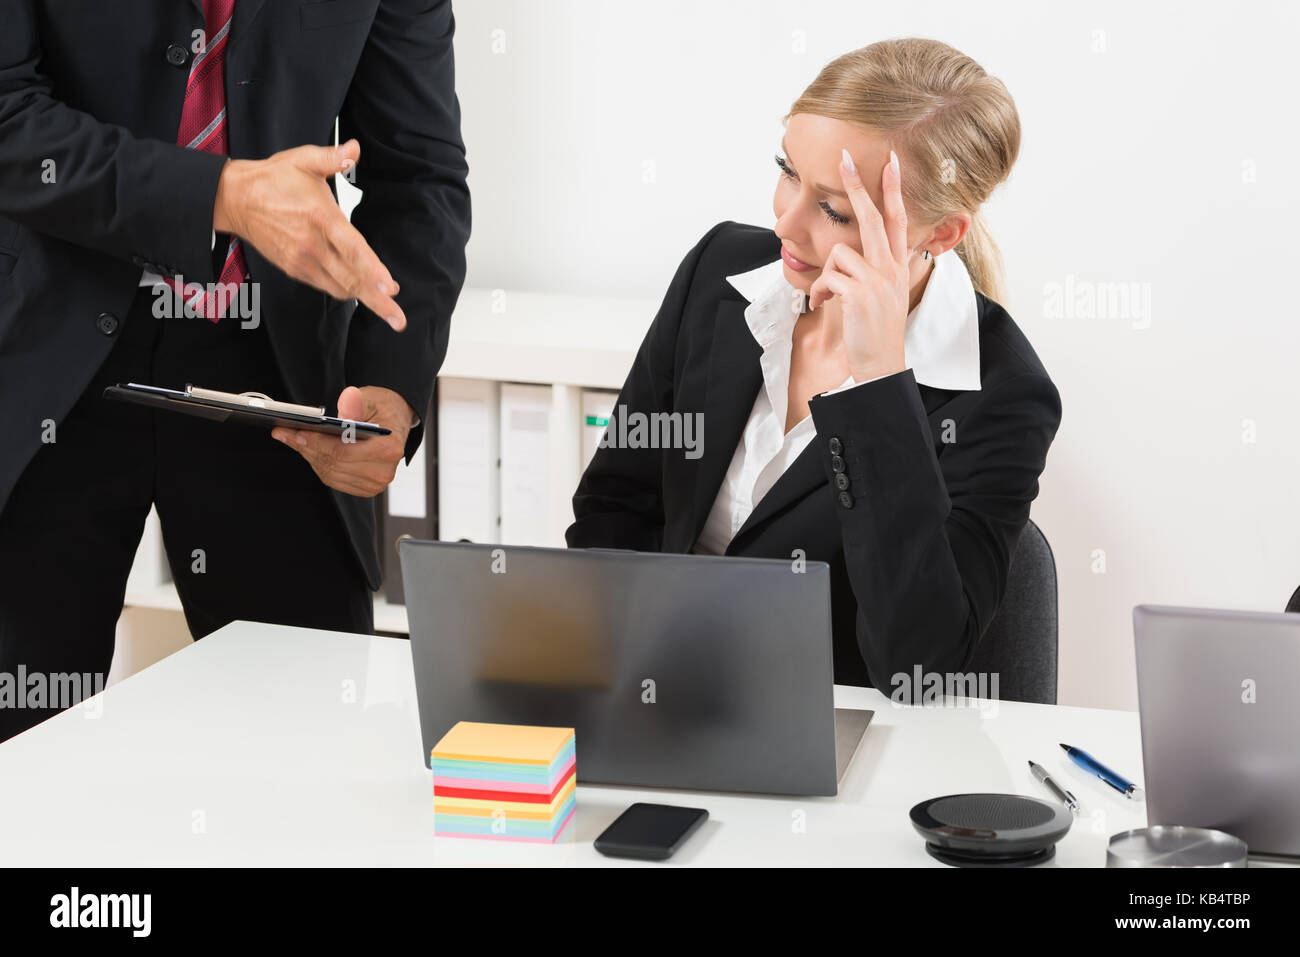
{"x": 68, "y": 175}
{"x": 619, "y": 500}
{"x": 415, "y": 208}
{"x": 928, "y": 539}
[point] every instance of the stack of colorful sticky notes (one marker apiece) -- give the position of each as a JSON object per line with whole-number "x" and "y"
{"x": 507, "y": 781}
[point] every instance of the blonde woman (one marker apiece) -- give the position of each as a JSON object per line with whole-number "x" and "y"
{"x": 865, "y": 399}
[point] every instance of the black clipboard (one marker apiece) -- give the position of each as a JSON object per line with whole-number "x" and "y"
{"x": 248, "y": 408}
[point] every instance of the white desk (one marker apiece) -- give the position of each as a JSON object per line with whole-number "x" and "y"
{"x": 262, "y": 745}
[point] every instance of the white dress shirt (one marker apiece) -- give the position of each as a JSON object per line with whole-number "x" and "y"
{"x": 940, "y": 345}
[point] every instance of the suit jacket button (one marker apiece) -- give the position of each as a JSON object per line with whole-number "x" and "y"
{"x": 177, "y": 55}
{"x": 841, "y": 481}
{"x": 107, "y": 323}
{"x": 846, "y": 499}
{"x": 836, "y": 448}
{"x": 837, "y": 464}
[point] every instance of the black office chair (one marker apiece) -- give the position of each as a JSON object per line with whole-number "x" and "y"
{"x": 1020, "y": 645}
{"x": 1294, "y": 603}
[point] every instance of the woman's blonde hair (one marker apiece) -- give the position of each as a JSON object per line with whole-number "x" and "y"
{"x": 954, "y": 127}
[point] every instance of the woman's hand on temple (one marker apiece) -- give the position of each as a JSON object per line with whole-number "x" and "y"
{"x": 873, "y": 286}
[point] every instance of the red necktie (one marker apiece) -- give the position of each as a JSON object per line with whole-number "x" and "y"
{"x": 203, "y": 127}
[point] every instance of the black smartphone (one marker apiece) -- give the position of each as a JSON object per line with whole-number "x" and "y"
{"x": 650, "y": 832}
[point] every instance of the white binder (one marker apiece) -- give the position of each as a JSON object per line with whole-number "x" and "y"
{"x": 527, "y": 516}
{"x": 469, "y": 451}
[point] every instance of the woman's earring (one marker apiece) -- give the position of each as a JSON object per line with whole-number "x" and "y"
{"x": 925, "y": 255}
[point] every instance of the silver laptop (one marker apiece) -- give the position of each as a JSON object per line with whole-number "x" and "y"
{"x": 1220, "y": 713}
{"x": 676, "y": 671}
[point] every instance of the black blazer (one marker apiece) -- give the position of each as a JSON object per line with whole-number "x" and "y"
{"x": 92, "y": 86}
{"x": 920, "y": 544}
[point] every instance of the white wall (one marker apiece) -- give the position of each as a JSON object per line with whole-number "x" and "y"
{"x": 1160, "y": 148}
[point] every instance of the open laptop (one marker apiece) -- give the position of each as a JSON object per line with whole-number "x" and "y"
{"x": 1220, "y": 715}
{"x": 676, "y": 671}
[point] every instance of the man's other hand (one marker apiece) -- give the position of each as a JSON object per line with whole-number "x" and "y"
{"x": 363, "y": 467}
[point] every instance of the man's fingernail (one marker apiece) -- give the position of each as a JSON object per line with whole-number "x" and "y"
{"x": 893, "y": 162}
{"x": 302, "y": 440}
{"x": 848, "y": 162}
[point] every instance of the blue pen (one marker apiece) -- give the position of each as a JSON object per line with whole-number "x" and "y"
{"x": 1090, "y": 764}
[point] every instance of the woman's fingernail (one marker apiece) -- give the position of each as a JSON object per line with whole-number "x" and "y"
{"x": 893, "y": 162}
{"x": 848, "y": 162}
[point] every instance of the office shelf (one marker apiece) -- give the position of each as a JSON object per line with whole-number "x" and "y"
{"x": 546, "y": 339}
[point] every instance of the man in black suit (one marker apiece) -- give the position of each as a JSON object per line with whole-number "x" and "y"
{"x": 155, "y": 155}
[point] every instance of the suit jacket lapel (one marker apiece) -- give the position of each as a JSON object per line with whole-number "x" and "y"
{"x": 734, "y": 378}
{"x": 803, "y": 475}
{"x": 246, "y": 12}
{"x": 933, "y": 399}
{"x": 807, "y": 473}
{"x": 247, "y": 131}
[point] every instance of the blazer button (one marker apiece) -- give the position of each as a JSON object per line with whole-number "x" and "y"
{"x": 836, "y": 448}
{"x": 846, "y": 499}
{"x": 837, "y": 464}
{"x": 107, "y": 323}
{"x": 841, "y": 481}
{"x": 177, "y": 55}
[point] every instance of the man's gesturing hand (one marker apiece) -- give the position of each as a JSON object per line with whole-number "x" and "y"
{"x": 363, "y": 467}
{"x": 282, "y": 207}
